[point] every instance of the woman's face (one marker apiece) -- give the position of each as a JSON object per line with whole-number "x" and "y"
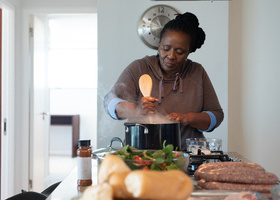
{"x": 173, "y": 50}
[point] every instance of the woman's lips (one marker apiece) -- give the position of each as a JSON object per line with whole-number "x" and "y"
{"x": 168, "y": 64}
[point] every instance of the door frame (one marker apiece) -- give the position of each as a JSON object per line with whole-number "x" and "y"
{"x": 39, "y": 105}
{"x": 8, "y": 61}
{"x": 0, "y": 95}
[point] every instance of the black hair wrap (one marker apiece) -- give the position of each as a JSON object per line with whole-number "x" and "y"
{"x": 187, "y": 23}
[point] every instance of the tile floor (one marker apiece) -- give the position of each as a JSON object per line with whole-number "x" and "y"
{"x": 59, "y": 168}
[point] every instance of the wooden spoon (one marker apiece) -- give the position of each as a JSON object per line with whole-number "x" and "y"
{"x": 145, "y": 84}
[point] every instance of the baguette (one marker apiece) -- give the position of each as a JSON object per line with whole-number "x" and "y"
{"x": 116, "y": 180}
{"x": 111, "y": 164}
{"x": 159, "y": 185}
{"x": 98, "y": 192}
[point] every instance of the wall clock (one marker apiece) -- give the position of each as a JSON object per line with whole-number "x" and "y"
{"x": 152, "y": 22}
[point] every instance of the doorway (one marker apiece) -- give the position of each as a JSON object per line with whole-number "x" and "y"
{"x": 70, "y": 56}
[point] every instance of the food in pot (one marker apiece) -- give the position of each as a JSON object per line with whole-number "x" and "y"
{"x": 235, "y": 176}
{"x": 160, "y": 160}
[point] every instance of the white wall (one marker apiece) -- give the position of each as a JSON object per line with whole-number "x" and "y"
{"x": 71, "y": 102}
{"x": 119, "y": 44}
{"x": 254, "y": 84}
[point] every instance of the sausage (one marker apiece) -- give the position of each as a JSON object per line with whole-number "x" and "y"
{"x": 216, "y": 165}
{"x": 240, "y": 166}
{"x": 234, "y": 186}
{"x": 239, "y": 175}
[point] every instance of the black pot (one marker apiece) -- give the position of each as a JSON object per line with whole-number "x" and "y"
{"x": 152, "y": 136}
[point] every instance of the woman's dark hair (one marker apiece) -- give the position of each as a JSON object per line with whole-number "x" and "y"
{"x": 187, "y": 23}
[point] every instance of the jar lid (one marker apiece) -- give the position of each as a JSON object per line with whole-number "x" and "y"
{"x": 83, "y": 143}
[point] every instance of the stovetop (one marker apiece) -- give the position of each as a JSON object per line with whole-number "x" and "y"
{"x": 200, "y": 158}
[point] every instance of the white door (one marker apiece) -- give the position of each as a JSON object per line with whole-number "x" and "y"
{"x": 7, "y": 102}
{"x": 39, "y": 105}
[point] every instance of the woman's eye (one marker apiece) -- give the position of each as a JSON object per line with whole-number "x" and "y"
{"x": 166, "y": 48}
{"x": 180, "y": 52}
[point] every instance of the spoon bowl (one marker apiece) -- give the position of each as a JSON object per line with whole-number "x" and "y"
{"x": 145, "y": 85}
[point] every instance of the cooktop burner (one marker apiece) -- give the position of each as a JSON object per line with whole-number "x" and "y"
{"x": 200, "y": 158}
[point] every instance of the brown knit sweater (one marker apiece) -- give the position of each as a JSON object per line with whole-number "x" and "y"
{"x": 190, "y": 90}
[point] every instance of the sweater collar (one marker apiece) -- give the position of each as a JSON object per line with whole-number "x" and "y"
{"x": 154, "y": 65}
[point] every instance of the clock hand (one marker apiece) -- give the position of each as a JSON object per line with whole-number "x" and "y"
{"x": 158, "y": 21}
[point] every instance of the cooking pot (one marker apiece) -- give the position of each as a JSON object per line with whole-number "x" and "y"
{"x": 99, "y": 154}
{"x": 152, "y": 136}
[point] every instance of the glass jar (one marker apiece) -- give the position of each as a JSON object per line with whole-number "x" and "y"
{"x": 84, "y": 163}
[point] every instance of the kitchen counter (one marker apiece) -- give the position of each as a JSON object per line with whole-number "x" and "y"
{"x": 67, "y": 190}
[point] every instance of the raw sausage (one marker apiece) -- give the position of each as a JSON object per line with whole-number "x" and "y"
{"x": 207, "y": 167}
{"x": 238, "y": 175}
{"x": 234, "y": 186}
{"x": 231, "y": 164}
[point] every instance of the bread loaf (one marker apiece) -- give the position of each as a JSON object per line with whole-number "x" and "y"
{"x": 173, "y": 184}
{"x": 111, "y": 164}
{"x": 116, "y": 180}
{"x": 98, "y": 192}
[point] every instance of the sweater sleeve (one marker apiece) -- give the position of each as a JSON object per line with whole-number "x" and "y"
{"x": 112, "y": 107}
{"x": 211, "y": 102}
{"x": 125, "y": 89}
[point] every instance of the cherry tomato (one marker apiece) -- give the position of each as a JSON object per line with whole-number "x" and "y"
{"x": 140, "y": 161}
{"x": 137, "y": 157}
{"x": 148, "y": 162}
{"x": 164, "y": 165}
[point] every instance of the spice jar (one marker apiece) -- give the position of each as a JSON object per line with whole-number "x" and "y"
{"x": 84, "y": 163}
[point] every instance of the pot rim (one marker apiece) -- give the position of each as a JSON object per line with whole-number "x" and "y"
{"x": 139, "y": 124}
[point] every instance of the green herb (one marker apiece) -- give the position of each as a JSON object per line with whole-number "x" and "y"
{"x": 163, "y": 159}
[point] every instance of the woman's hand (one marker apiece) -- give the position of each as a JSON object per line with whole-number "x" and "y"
{"x": 200, "y": 121}
{"x": 148, "y": 104}
{"x": 126, "y": 109}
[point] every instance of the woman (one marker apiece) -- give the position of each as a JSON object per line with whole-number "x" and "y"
{"x": 181, "y": 89}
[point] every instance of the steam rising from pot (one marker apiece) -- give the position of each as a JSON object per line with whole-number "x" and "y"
{"x": 152, "y": 119}
{"x": 137, "y": 116}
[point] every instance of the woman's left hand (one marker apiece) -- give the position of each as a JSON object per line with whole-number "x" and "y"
{"x": 182, "y": 118}
{"x": 197, "y": 120}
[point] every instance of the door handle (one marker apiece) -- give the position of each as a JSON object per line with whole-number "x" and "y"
{"x": 45, "y": 114}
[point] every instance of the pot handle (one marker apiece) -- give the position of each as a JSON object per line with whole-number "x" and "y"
{"x": 146, "y": 130}
{"x": 115, "y": 139}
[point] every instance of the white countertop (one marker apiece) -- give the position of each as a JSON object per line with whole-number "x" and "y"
{"x": 68, "y": 190}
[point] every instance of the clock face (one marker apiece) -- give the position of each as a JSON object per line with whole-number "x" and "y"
{"x": 152, "y": 22}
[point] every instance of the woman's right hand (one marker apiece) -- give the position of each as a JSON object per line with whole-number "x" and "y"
{"x": 148, "y": 104}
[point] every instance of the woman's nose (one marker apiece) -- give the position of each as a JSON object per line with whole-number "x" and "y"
{"x": 171, "y": 55}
